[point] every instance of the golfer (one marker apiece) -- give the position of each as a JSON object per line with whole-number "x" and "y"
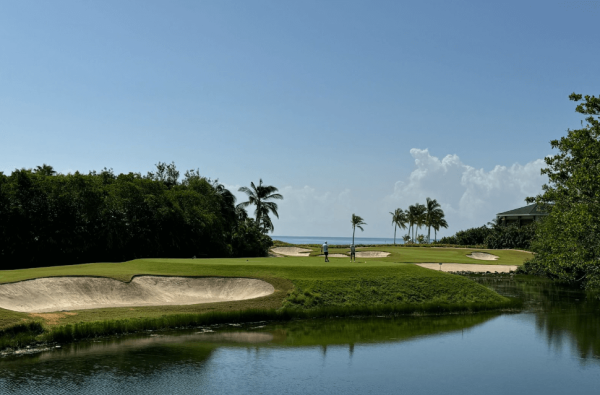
{"x": 326, "y": 251}
{"x": 352, "y": 252}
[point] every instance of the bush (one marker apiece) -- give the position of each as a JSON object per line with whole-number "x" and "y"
{"x": 473, "y": 236}
{"x": 511, "y": 237}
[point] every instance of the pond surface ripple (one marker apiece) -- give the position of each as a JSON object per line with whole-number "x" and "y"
{"x": 553, "y": 347}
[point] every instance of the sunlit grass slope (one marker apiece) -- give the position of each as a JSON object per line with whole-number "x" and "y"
{"x": 300, "y": 283}
{"x": 433, "y": 255}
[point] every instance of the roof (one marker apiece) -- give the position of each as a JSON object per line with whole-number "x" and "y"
{"x": 523, "y": 211}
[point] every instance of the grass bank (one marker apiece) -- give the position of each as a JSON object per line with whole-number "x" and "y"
{"x": 427, "y": 254}
{"x": 304, "y": 287}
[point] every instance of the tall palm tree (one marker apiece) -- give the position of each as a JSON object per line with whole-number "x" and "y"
{"x": 399, "y": 219}
{"x": 433, "y": 210}
{"x": 357, "y": 222}
{"x": 420, "y": 210}
{"x": 410, "y": 214}
{"x": 439, "y": 222}
{"x": 416, "y": 217}
{"x": 260, "y": 196}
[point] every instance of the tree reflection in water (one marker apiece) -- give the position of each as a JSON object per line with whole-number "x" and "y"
{"x": 562, "y": 313}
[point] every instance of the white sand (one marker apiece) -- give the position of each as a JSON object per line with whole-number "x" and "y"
{"x": 291, "y": 251}
{"x": 484, "y": 256}
{"x": 468, "y": 267}
{"x": 78, "y": 293}
{"x": 371, "y": 254}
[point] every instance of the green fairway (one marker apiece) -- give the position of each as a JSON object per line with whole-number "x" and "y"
{"x": 300, "y": 283}
{"x": 399, "y": 254}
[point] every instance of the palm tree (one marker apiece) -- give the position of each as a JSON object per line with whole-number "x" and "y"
{"x": 439, "y": 222}
{"x": 406, "y": 238}
{"x": 416, "y": 216}
{"x": 260, "y": 196}
{"x": 357, "y": 222}
{"x": 433, "y": 209}
{"x": 399, "y": 219}
{"x": 410, "y": 213}
{"x": 420, "y": 211}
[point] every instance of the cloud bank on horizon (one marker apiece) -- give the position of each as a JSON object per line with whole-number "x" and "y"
{"x": 470, "y": 197}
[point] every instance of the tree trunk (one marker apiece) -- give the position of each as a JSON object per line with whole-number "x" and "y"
{"x": 394, "y": 234}
{"x": 429, "y": 234}
{"x": 353, "y": 231}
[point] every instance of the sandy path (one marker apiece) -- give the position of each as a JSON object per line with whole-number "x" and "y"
{"x": 468, "y": 267}
{"x": 291, "y": 251}
{"x": 78, "y": 293}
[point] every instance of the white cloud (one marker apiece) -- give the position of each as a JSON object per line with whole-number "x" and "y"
{"x": 306, "y": 211}
{"x": 470, "y": 197}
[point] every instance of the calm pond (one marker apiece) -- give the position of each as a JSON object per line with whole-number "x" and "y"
{"x": 553, "y": 347}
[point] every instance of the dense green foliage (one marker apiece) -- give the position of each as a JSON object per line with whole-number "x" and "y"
{"x": 495, "y": 236}
{"x": 511, "y": 236}
{"x": 51, "y": 219}
{"x": 568, "y": 242}
{"x": 472, "y": 236}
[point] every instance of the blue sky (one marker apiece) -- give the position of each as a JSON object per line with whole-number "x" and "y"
{"x": 346, "y": 106}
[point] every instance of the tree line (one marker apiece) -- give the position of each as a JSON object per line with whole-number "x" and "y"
{"x": 429, "y": 215}
{"x": 47, "y": 218}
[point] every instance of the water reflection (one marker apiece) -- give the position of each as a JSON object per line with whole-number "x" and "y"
{"x": 563, "y": 314}
{"x": 365, "y": 354}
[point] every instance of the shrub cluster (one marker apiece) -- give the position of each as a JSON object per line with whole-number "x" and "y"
{"x": 495, "y": 236}
{"x": 49, "y": 219}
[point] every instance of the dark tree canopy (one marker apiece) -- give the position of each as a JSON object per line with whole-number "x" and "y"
{"x": 55, "y": 219}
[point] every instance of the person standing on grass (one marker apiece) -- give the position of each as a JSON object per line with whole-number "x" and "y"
{"x": 326, "y": 251}
{"x": 352, "y": 252}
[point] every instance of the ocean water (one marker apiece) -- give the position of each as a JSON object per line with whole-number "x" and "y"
{"x": 337, "y": 240}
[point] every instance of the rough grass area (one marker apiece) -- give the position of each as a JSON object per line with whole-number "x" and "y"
{"x": 301, "y": 284}
{"x": 400, "y": 289}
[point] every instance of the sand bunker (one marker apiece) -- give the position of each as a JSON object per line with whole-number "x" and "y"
{"x": 484, "y": 256}
{"x": 336, "y": 256}
{"x": 468, "y": 267}
{"x": 371, "y": 254}
{"x": 291, "y": 251}
{"x": 78, "y": 293}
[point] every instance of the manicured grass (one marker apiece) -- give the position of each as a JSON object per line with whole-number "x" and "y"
{"x": 401, "y": 254}
{"x": 300, "y": 283}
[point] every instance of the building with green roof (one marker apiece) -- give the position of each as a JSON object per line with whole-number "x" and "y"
{"x": 521, "y": 216}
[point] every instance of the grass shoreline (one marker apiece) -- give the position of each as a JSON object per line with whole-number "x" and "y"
{"x": 304, "y": 287}
{"x": 35, "y": 333}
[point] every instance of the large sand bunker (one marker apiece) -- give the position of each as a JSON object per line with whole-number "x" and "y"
{"x": 468, "y": 267}
{"x": 291, "y": 251}
{"x": 371, "y": 254}
{"x": 78, "y": 293}
{"x": 484, "y": 256}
